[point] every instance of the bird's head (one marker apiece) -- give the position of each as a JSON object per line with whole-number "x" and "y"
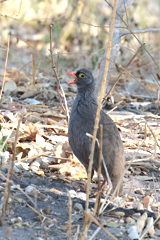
{"x": 83, "y": 78}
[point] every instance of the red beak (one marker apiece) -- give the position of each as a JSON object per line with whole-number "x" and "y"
{"x": 73, "y": 74}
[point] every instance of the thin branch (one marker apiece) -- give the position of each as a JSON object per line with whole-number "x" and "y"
{"x": 115, "y": 44}
{"x": 70, "y": 215}
{"x": 96, "y": 222}
{"x": 97, "y": 119}
{"x": 56, "y": 75}
{"x": 10, "y": 173}
{"x": 54, "y": 67}
{"x": 4, "y": 74}
{"x": 132, "y": 32}
{"x": 33, "y": 70}
{"x": 123, "y": 72}
{"x": 140, "y": 31}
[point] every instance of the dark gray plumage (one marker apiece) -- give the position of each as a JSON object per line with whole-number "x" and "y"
{"x": 82, "y": 121}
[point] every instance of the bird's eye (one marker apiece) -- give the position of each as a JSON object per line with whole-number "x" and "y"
{"x": 81, "y": 75}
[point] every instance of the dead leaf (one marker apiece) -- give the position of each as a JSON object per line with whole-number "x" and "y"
{"x": 47, "y": 211}
{"x": 112, "y": 224}
{"x": 30, "y": 131}
{"x": 14, "y": 106}
{"x": 29, "y": 94}
{"x": 146, "y": 201}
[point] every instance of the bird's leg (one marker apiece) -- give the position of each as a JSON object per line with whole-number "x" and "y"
{"x": 85, "y": 188}
{"x": 102, "y": 186}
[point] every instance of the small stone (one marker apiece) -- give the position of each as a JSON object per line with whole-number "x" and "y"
{"x": 139, "y": 191}
{"x": 35, "y": 166}
{"x": 103, "y": 222}
{"x": 78, "y": 207}
{"x": 133, "y": 234}
{"x": 128, "y": 219}
{"x": 121, "y": 221}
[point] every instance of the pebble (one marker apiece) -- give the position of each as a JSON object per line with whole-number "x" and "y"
{"x": 78, "y": 207}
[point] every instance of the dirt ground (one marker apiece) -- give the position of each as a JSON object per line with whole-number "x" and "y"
{"x": 52, "y": 202}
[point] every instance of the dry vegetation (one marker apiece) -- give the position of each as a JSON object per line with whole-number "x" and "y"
{"x": 41, "y": 184}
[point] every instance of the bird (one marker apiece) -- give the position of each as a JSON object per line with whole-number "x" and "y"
{"x": 82, "y": 120}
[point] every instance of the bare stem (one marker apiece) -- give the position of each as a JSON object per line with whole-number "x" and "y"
{"x": 123, "y": 72}
{"x": 5, "y": 66}
{"x": 97, "y": 119}
{"x": 54, "y": 67}
{"x": 70, "y": 215}
{"x": 33, "y": 70}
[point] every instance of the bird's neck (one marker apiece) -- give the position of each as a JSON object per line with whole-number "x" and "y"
{"x": 86, "y": 91}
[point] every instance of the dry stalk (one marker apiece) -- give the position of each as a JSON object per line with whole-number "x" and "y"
{"x": 132, "y": 32}
{"x": 97, "y": 118}
{"x": 104, "y": 164}
{"x": 10, "y": 173}
{"x": 95, "y": 233}
{"x": 107, "y": 174}
{"x": 140, "y": 84}
{"x": 156, "y": 196}
{"x": 143, "y": 235}
{"x": 1, "y": 148}
{"x": 65, "y": 101}
{"x": 96, "y": 222}
{"x": 70, "y": 215}
{"x": 129, "y": 190}
{"x": 56, "y": 75}
{"x": 36, "y": 211}
{"x": 98, "y": 199}
{"x": 121, "y": 179}
{"x": 77, "y": 232}
{"x": 4, "y": 74}
{"x": 149, "y": 68}
{"x": 5, "y": 202}
{"x": 39, "y": 155}
{"x": 152, "y": 134}
{"x": 124, "y": 70}
{"x": 108, "y": 112}
{"x": 33, "y": 70}
{"x": 13, "y": 157}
